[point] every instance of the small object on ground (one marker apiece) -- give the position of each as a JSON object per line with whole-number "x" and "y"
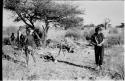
{"x": 15, "y": 61}
{"x": 91, "y": 78}
{"x": 75, "y": 78}
{"x": 48, "y": 57}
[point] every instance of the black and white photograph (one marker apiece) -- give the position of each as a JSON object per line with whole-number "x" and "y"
{"x": 63, "y": 40}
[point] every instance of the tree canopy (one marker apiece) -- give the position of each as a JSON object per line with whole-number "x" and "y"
{"x": 47, "y": 11}
{"x": 29, "y": 11}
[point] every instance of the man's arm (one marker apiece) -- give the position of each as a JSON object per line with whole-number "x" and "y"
{"x": 96, "y": 40}
{"x": 102, "y": 41}
{"x": 93, "y": 43}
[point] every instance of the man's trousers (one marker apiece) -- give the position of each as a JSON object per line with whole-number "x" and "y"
{"x": 99, "y": 54}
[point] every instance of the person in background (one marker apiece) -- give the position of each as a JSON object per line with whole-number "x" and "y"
{"x": 97, "y": 40}
{"x": 29, "y": 46}
{"x": 22, "y": 39}
{"x": 36, "y": 38}
{"x": 12, "y": 39}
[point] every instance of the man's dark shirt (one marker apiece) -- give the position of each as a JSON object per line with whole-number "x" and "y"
{"x": 98, "y": 37}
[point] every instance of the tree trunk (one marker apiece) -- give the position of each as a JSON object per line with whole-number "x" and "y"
{"x": 45, "y": 33}
{"x": 105, "y": 26}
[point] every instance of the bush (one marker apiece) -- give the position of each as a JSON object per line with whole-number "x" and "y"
{"x": 6, "y": 41}
{"x": 88, "y": 35}
{"x": 114, "y": 31}
{"x": 73, "y": 34}
{"x": 114, "y": 40}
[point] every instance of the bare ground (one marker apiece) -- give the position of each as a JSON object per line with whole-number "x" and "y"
{"x": 72, "y": 66}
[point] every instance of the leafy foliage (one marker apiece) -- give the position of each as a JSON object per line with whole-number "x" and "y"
{"x": 47, "y": 11}
{"x": 32, "y": 10}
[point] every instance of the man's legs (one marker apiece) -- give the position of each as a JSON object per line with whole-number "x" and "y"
{"x": 101, "y": 55}
{"x": 32, "y": 51}
{"x": 26, "y": 53}
{"x": 32, "y": 54}
{"x": 96, "y": 55}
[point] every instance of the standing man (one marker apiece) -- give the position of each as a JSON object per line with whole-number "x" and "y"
{"x": 97, "y": 40}
{"x": 29, "y": 46}
{"x": 36, "y": 38}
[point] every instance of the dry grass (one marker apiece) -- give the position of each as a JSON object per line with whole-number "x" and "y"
{"x": 78, "y": 65}
{"x": 114, "y": 62}
{"x": 115, "y": 38}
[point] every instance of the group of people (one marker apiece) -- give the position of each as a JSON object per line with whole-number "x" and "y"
{"x": 31, "y": 38}
{"x": 97, "y": 40}
{"x": 27, "y": 42}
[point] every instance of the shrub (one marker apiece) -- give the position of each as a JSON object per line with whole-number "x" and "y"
{"x": 6, "y": 41}
{"x": 114, "y": 40}
{"x": 116, "y": 69}
{"x": 114, "y": 31}
{"x": 87, "y": 35}
{"x": 73, "y": 34}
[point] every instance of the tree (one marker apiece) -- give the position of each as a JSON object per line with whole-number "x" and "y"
{"x": 47, "y": 11}
{"x": 106, "y": 22}
{"x": 89, "y": 25}
{"x": 121, "y": 26}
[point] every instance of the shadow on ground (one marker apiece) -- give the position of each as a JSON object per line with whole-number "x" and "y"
{"x": 81, "y": 66}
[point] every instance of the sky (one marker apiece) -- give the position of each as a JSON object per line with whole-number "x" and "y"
{"x": 95, "y": 12}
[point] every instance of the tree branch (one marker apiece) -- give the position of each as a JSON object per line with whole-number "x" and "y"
{"x": 23, "y": 19}
{"x": 43, "y": 28}
{"x": 30, "y": 20}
